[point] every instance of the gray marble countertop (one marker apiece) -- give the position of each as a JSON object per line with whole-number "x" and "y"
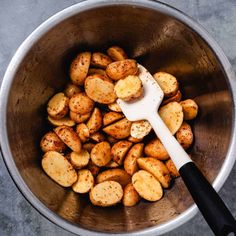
{"x": 18, "y": 18}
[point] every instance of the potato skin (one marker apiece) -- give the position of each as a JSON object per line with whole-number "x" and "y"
{"x": 100, "y": 60}
{"x": 190, "y": 109}
{"x": 131, "y": 196}
{"x": 95, "y": 121}
{"x": 185, "y": 135}
{"x": 71, "y": 90}
{"x": 98, "y": 137}
{"x": 172, "y": 169}
{"x": 83, "y": 132}
{"x": 111, "y": 117}
{"x": 176, "y": 98}
{"x": 134, "y": 140}
{"x": 78, "y": 118}
{"x": 116, "y": 53}
{"x": 63, "y": 121}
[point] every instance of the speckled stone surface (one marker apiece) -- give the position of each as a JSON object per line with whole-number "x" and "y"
{"x": 18, "y": 18}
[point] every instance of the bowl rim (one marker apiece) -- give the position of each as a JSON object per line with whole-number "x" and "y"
{"x": 44, "y": 28}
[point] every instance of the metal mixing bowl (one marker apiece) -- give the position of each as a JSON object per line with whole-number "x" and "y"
{"x": 161, "y": 38}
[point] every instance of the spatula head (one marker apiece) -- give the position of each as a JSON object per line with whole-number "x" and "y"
{"x": 148, "y": 103}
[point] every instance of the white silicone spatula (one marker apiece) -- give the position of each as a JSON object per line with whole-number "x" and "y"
{"x": 210, "y": 204}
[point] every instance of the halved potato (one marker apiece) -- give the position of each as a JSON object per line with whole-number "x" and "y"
{"x": 111, "y": 117}
{"x": 98, "y": 137}
{"x": 131, "y": 196}
{"x": 172, "y": 169}
{"x": 134, "y": 140}
{"x": 83, "y": 132}
{"x": 106, "y": 194}
{"x": 79, "y": 159}
{"x": 176, "y": 98}
{"x": 190, "y": 109}
{"x": 147, "y": 186}
{"x": 78, "y": 118}
{"x": 140, "y": 129}
{"x": 172, "y": 115}
{"x": 63, "y": 121}
{"x": 112, "y": 164}
{"x": 185, "y": 135}
{"x": 58, "y": 106}
{"x": 71, "y": 90}
{"x": 100, "y": 60}
{"x": 116, "y": 53}
{"x": 88, "y": 146}
{"x": 59, "y": 168}
{"x": 93, "y": 168}
{"x": 114, "y": 107}
{"x": 84, "y": 182}
{"x": 95, "y": 121}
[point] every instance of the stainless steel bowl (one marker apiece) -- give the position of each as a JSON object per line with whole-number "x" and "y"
{"x": 161, "y": 38}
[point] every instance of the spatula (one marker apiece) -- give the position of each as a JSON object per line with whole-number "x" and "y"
{"x": 208, "y": 201}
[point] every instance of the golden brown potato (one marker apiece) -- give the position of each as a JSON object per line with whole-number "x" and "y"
{"x": 119, "y": 129}
{"x": 120, "y": 69}
{"x": 131, "y": 196}
{"x": 71, "y": 90}
{"x": 59, "y": 168}
{"x": 79, "y": 68}
{"x": 140, "y": 129}
{"x": 117, "y": 175}
{"x": 111, "y": 117}
{"x": 155, "y": 149}
{"x": 84, "y": 182}
{"x": 176, "y": 98}
{"x": 83, "y": 132}
{"x": 79, "y": 159}
{"x": 99, "y": 89}
{"x": 78, "y": 118}
{"x": 167, "y": 82}
{"x": 100, "y": 60}
{"x": 81, "y": 103}
{"x": 88, "y": 146}
{"x": 93, "y": 168}
{"x": 172, "y": 169}
{"x": 185, "y": 135}
{"x": 116, "y": 53}
{"x": 95, "y": 121}
{"x": 63, "y": 121}
{"x": 172, "y": 115}
{"x": 134, "y": 140}
{"x": 130, "y": 163}
{"x": 98, "y": 137}
{"x": 147, "y": 186}
{"x": 106, "y": 194}
{"x": 57, "y": 106}
{"x": 190, "y": 109}
{"x": 51, "y": 142}
{"x": 112, "y": 164}
{"x": 114, "y": 107}
{"x": 157, "y": 169}
{"x": 101, "y": 154}
{"x": 69, "y": 137}
{"x": 119, "y": 150}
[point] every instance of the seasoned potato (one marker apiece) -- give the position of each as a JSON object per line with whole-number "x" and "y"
{"x": 79, "y": 159}
{"x": 129, "y": 88}
{"x": 147, "y": 186}
{"x": 116, "y": 53}
{"x": 58, "y": 106}
{"x": 101, "y": 154}
{"x": 156, "y": 168}
{"x": 172, "y": 115}
{"x": 88, "y": 146}
{"x": 95, "y": 121}
{"x": 134, "y": 140}
{"x": 71, "y": 90}
{"x": 93, "y": 71}
{"x": 97, "y": 137}
{"x": 99, "y": 89}
{"x": 69, "y": 137}
{"x": 120, "y": 69}
{"x": 190, "y": 109}
{"x": 93, "y": 168}
{"x": 185, "y": 135}
{"x": 78, "y": 118}
{"x": 83, "y": 132}
{"x": 79, "y": 68}
{"x": 176, "y": 98}
{"x": 114, "y": 107}
{"x": 119, "y": 130}
{"x": 63, "y": 121}
{"x": 167, "y": 82}
{"x": 84, "y": 182}
{"x": 172, "y": 169}
{"x": 100, "y": 60}
{"x": 111, "y": 117}
{"x": 117, "y": 175}
{"x": 59, "y": 168}
{"x": 81, "y": 103}
{"x": 131, "y": 196}
{"x": 106, "y": 194}
{"x": 51, "y": 142}
{"x": 130, "y": 163}
{"x": 119, "y": 150}
{"x": 112, "y": 164}
{"x": 140, "y": 129}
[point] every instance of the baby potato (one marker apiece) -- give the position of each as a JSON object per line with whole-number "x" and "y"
{"x": 79, "y": 68}
{"x": 58, "y": 106}
{"x": 190, "y": 109}
{"x": 112, "y": 164}
{"x": 88, "y": 146}
{"x": 100, "y": 89}
{"x": 140, "y": 129}
{"x": 119, "y": 150}
{"x": 131, "y": 196}
{"x": 106, "y": 194}
{"x": 93, "y": 168}
{"x": 100, "y": 60}
{"x": 134, "y": 140}
{"x": 167, "y": 82}
{"x": 95, "y": 121}
{"x": 117, "y": 175}
{"x": 155, "y": 149}
{"x": 111, "y": 117}
{"x": 119, "y": 130}
{"x": 157, "y": 169}
{"x": 79, "y": 159}
{"x": 71, "y": 90}
{"x": 84, "y": 182}
{"x": 97, "y": 137}
{"x": 63, "y": 121}
{"x": 129, "y": 88}
{"x": 147, "y": 186}
{"x": 78, "y": 118}
{"x": 172, "y": 169}
{"x": 81, "y": 103}
{"x": 130, "y": 163}
{"x": 120, "y": 69}
{"x": 176, "y": 98}
{"x": 185, "y": 135}
{"x": 83, "y": 132}
{"x": 69, "y": 137}
{"x": 101, "y": 154}
{"x": 58, "y": 168}
{"x": 116, "y": 53}
{"x": 172, "y": 115}
{"x": 114, "y": 107}
{"x": 51, "y": 142}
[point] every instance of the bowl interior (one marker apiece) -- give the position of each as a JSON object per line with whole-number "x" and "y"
{"x": 159, "y": 42}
